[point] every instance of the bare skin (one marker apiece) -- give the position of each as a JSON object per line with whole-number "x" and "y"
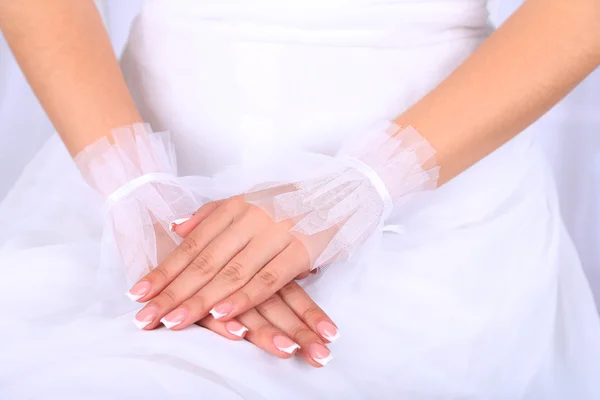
{"x": 544, "y": 50}
{"x": 66, "y": 55}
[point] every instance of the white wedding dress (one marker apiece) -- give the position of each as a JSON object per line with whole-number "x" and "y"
{"x": 475, "y": 293}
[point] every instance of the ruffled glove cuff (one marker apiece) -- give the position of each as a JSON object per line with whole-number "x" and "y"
{"x": 135, "y": 171}
{"x": 339, "y": 208}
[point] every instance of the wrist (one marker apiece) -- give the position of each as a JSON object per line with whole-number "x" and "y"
{"x": 378, "y": 184}
{"x": 129, "y": 158}
{"x": 397, "y": 160}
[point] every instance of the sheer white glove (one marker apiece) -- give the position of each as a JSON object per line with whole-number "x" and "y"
{"x": 341, "y": 205}
{"x": 136, "y": 173}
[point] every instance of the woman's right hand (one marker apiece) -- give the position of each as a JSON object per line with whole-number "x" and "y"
{"x": 289, "y": 322}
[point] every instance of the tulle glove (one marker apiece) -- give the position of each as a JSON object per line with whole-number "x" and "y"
{"x": 135, "y": 171}
{"x": 353, "y": 194}
{"x": 240, "y": 251}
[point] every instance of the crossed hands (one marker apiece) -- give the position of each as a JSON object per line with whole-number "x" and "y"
{"x": 234, "y": 274}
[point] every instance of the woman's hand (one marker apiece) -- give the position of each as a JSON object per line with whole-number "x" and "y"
{"x": 284, "y": 325}
{"x": 234, "y": 257}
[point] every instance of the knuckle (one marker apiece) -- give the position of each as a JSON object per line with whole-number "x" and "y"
{"x": 246, "y": 217}
{"x": 202, "y": 264}
{"x": 189, "y": 246}
{"x": 210, "y": 206}
{"x": 270, "y": 303}
{"x": 249, "y": 217}
{"x": 311, "y": 314}
{"x": 255, "y": 210}
{"x": 168, "y": 296}
{"x": 291, "y": 289}
{"x": 268, "y": 278}
{"x": 261, "y": 215}
{"x": 233, "y": 203}
{"x": 302, "y": 334}
{"x": 264, "y": 331}
{"x": 233, "y": 272}
{"x": 160, "y": 275}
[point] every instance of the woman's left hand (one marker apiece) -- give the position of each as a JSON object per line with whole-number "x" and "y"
{"x": 289, "y": 323}
{"x": 234, "y": 257}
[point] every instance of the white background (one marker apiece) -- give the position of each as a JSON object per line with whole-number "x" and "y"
{"x": 570, "y": 133}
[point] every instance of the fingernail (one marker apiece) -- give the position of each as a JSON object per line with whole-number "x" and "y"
{"x": 178, "y": 222}
{"x": 174, "y": 318}
{"x": 285, "y": 344}
{"x": 235, "y": 328}
{"x": 138, "y": 291}
{"x": 145, "y": 317}
{"x": 320, "y": 354}
{"x": 221, "y": 310}
{"x": 328, "y": 331}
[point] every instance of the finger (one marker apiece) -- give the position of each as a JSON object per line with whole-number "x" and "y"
{"x": 232, "y": 330}
{"x": 281, "y": 270}
{"x": 304, "y": 275}
{"x": 184, "y": 226}
{"x": 312, "y": 348}
{"x": 199, "y": 272}
{"x": 308, "y": 311}
{"x": 168, "y": 305}
{"x": 266, "y": 336}
{"x": 238, "y": 272}
{"x": 184, "y": 254}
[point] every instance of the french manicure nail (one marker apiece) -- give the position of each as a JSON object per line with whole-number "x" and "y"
{"x": 140, "y": 325}
{"x": 235, "y": 328}
{"x": 174, "y": 318}
{"x": 320, "y": 354}
{"x": 178, "y": 222}
{"x": 285, "y": 344}
{"x": 138, "y": 290}
{"x": 221, "y": 310}
{"x": 328, "y": 331}
{"x": 145, "y": 317}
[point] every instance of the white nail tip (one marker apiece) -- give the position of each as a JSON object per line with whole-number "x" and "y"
{"x": 332, "y": 338}
{"x": 291, "y": 349}
{"x": 239, "y": 332}
{"x": 141, "y": 324}
{"x": 177, "y": 222}
{"x": 170, "y": 324}
{"x": 324, "y": 361}
{"x": 216, "y": 314}
{"x": 133, "y": 297}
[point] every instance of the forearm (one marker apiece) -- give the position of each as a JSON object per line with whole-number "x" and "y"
{"x": 540, "y": 54}
{"x": 66, "y": 55}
